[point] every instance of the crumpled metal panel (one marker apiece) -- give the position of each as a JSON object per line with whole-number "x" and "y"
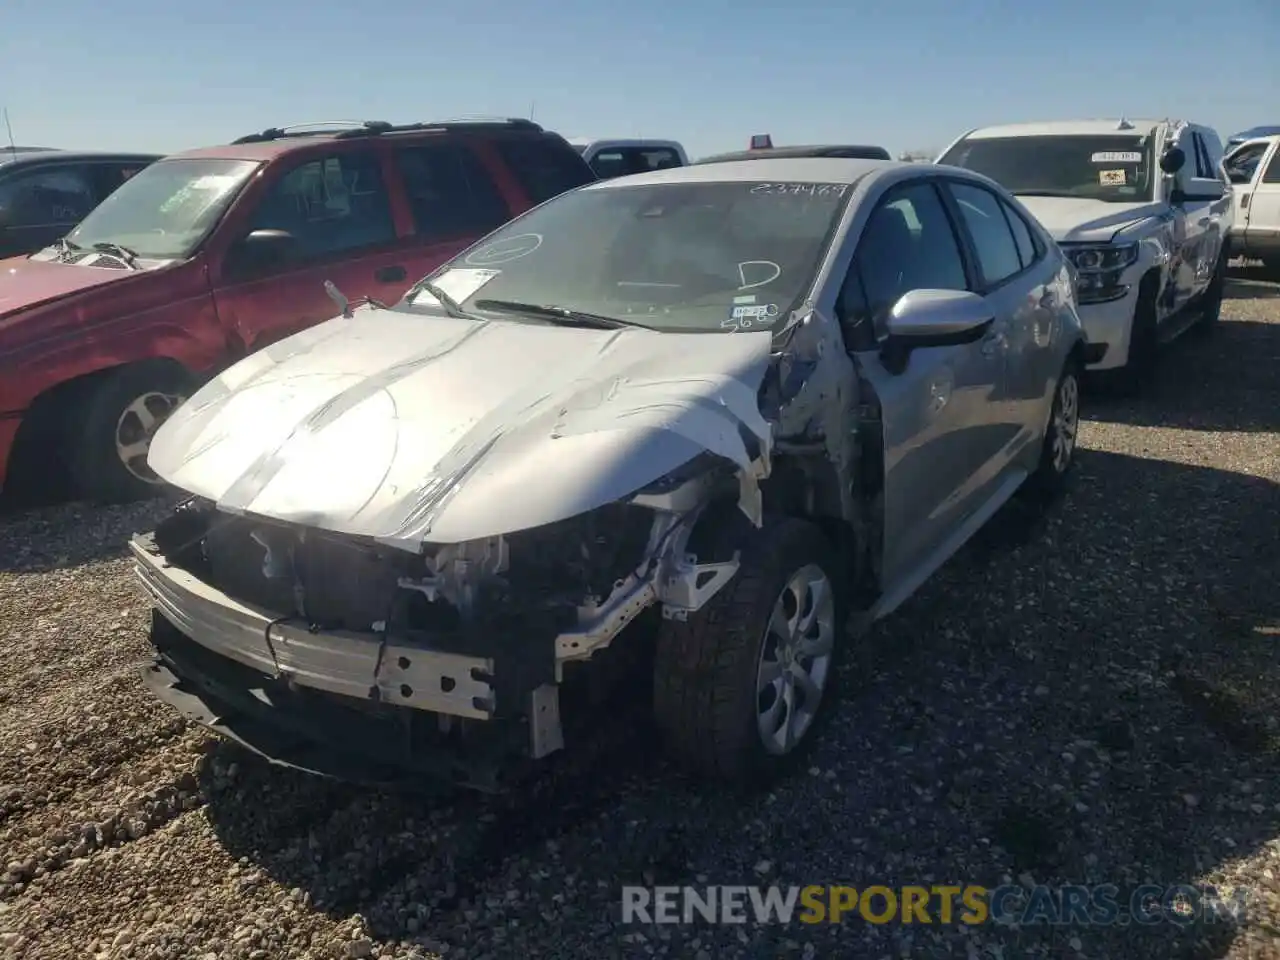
{"x": 410, "y": 428}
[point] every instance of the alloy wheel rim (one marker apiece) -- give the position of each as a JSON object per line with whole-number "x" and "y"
{"x": 136, "y": 428}
{"x": 1066, "y": 422}
{"x": 795, "y": 659}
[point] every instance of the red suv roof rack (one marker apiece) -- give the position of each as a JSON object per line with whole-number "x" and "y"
{"x": 343, "y": 129}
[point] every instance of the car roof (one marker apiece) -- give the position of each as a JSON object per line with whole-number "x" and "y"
{"x": 273, "y": 142}
{"x": 1254, "y": 133}
{"x": 1060, "y": 128}
{"x": 641, "y": 142}
{"x": 41, "y": 154}
{"x": 776, "y": 170}
{"x": 863, "y": 151}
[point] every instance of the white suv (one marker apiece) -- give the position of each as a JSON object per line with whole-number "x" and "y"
{"x": 1142, "y": 210}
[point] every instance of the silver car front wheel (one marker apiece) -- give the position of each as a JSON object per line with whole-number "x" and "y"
{"x": 795, "y": 659}
{"x": 742, "y": 686}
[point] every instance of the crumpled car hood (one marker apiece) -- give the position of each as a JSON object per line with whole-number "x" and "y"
{"x": 408, "y": 427}
{"x": 1073, "y": 220}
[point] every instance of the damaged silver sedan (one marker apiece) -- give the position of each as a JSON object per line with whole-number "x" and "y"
{"x": 714, "y": 414}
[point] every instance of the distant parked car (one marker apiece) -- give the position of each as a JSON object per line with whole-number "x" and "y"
{"x": 849, "y": 151}
{"x": 622, "y": 158}
{"x": 1253, "y": 133}
{"x": 204, "y": 257}
{"x": 1253, "y": 168}
{"x": 44, "y": 193}
{"x": 1141, "y": 209}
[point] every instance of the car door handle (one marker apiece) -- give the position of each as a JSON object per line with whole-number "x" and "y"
{"x": 1204, "y": 221}
{"x": 1244, "y": 201}
{"x": 393, "y": 274}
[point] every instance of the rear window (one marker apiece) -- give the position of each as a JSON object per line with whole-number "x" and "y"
{"x": 544, "y": 167}
{"x": 624, "y": 161}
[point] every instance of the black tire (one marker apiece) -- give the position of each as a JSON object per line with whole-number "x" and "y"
{"x": 1053, "y": 471}
{"x": 99, "y": 473}
{"x": 706, "y": 668}
{"x": 1211, "y": 307}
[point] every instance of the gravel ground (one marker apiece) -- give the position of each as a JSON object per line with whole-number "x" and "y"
{"x": 1088, "y": 698}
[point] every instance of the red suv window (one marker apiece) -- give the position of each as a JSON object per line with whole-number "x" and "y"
{"x": 331, "y": 205}
{"x": 450, "y": 192}
{"x": 544, "y": 168}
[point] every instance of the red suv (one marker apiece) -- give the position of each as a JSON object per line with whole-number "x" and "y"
{"x": 209, "y": 255}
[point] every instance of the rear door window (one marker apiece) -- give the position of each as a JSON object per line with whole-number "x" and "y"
{"x": 1204, "y": 166}
{"x": 1028, "y": 249}
{"x": 449, "y": 190}
{"x": 1272, "y": 174}
{"x": 543, "y": 167}
{"x": 992, "y": 238}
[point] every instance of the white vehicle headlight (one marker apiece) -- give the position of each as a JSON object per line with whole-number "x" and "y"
{"x": 1100, "y": 269}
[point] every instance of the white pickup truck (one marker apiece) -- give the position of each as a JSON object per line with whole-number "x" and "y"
{"x": 1140, "y": 207}
{"x": 1253, "y": 168}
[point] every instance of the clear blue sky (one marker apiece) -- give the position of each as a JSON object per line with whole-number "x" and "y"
{"x": 168, "y": 75}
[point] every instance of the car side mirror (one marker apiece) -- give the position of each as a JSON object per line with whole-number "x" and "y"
{"x": 933, "y": 318}
{"x": 261, "y": 251}
{"x": 1208, "y": 189}
{"x": 1173, "y": 160}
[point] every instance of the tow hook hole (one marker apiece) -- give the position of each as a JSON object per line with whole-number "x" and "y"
{"x": 404, "y": 663}
{"x": 447, "y": 684}
{"x": 406, "y": 691}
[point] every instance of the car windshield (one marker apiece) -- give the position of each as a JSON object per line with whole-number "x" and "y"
{"x": 167, "y": 209}
{"x": 681, "y": 257}
{"x": 1106, "y": 167}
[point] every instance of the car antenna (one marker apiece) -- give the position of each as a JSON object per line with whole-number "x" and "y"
{"x": 336, "y": 296}
{"x": 13, "y": 147}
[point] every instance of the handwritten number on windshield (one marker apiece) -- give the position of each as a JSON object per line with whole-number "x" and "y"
{"x": 799, "y": 189}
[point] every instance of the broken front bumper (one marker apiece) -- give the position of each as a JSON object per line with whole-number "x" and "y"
{"x": 336, "y": 704}
{"x": 347, "y": 664}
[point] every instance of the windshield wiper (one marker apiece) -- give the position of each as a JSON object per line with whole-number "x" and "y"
{"x": 450, "y": 305}
{"x": 1044, "y": 193}
{"x": 555, "y": 313}
{"x": 116, "y": 250}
